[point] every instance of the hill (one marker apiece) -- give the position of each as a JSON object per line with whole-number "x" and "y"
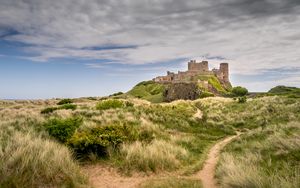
{"x": 285, "y": 90}
{"x": 170, "y": 141}
{"x": 202, "y": 86}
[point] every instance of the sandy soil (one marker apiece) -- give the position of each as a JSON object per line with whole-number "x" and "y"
{"x": 107, "y": 177}
{"x": 207, "y": 173}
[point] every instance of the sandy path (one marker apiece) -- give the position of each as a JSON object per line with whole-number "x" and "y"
{"x": 107, "y": 177}
{"x": 207, "y": 173}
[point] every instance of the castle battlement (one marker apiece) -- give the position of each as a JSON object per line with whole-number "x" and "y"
{"x": 195, "y": 69}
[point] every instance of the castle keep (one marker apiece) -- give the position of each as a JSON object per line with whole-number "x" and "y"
{"x": 196, "y": 69}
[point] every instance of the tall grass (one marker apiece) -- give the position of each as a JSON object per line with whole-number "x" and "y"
{"x": 28, "y": 157}
{"x": 158, "y": 155}
{"x": 28, "y": 160}
{"x": 263, "y": 158}
{"x": 171, "y": 182}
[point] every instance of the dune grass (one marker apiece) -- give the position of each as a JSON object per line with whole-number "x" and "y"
{"x": 156, "y": 138}
{"x": 171, "y": 182}
{"x": 268, "y": 157}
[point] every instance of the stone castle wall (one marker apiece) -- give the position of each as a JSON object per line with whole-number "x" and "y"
{"x": 195, "y": 69}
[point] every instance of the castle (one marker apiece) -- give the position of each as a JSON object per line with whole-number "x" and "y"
{"x": 196, "y": 69}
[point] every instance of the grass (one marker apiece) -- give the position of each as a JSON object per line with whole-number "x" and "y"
{"x": 268, "y": 157}
{"x": 154, "y": 138}
{"x": 291, "y": 92}
{"x": 172, "y": 182}
{"x": 156, "y": 156}
{"x": 148, "y": 90}
{"x": 30, "y": 159}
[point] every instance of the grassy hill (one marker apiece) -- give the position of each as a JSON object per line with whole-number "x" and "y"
{"x": 149, "y": 91}
{"x": 154, "y": 92}
{"x": 284, "y": 90}
{"x": 135, "y": 136}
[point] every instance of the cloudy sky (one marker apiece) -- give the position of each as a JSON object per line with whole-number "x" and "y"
{"x": 73, "y": 48}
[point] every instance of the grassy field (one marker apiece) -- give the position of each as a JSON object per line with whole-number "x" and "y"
{"x": 46, "y": 142}
{"x": 264, "y": 157}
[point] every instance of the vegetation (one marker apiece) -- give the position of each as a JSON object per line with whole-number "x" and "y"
{"x": 291, "y": 92}
{"x": 239, "y": 91}
{"x": 50, "y": 110}
{"x": 98, "y": 140}
{"x": 62, "y": 129}
{"x": 148, "y": 90}
{"x": 264, "y": 157}
{"x": 28, "y": 157}
{"x": 116, "y": 94}
{"x": 65, "y": 101}
{"x": 136, "y": 136}
{"x": 110, "y": 104}
{"x": 172, "y": 182}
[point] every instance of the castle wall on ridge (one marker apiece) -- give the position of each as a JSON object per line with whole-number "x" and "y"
{"x": 195, "y": 69}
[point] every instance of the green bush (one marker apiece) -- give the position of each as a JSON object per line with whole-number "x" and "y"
{"x": 239, "y": 91}
{"x": 205, "y": 94}
{"x": 116, "y": 94}
{"x": 49, "y": 110}
{"x": 62, "y": 129}
{"x": 110, "y": 104}
{"x": 242, "y": 99}
{"x": 65, "y": 101}
{"x": 68, "y": 107}
{"x": 97, "y": 140}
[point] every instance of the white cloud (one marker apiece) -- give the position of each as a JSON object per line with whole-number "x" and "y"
{"x": 251, "y": 35}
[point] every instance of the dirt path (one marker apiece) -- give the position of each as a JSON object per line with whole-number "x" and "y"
{"x": 207, "y": 173}
{"x": 107, "y": 177}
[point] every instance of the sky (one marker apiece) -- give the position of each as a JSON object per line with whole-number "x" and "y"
{"x": 77, "y": 48}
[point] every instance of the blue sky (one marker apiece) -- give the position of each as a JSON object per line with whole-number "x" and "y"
{"x": 94, "y": 48}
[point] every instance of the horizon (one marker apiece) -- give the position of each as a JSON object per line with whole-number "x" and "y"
{"x": 62, "y": 49}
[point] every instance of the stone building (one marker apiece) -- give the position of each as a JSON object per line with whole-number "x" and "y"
{"x": 196, "y": 69}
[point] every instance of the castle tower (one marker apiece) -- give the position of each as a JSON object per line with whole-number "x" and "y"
{"x": 193, "y": 66}
{"x": 224, "y": 69}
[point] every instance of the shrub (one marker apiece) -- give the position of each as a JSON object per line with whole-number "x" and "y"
{"x": 49, "y": 110}
{"x": 116, "y": 94}
{"x": 205, "y": 94}
{"x": 62, "y": 129}
{"x": 97, "y": 140}
{"x": 239, "y": 91}
{"x": 65, "y": 101}
{"x": 242, "y": 99}
{"x": 68, "y": 107}
{"x": 109, "y": 104}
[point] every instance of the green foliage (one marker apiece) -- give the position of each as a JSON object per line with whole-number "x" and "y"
{"x": 268, "y": 157}
{"x": 98, "y": 140}
{"x": 64, "y": 106}
{"x": 205, "y": 94}
{"x": 62, "y": 129}
{"x": 242, "y": 99}
{"x": 216, "y": 84}
{"x": 65, "y": 101}
{"x": 49, "y": 110}
{"x": 110, "y": 104}
{"x": 68, "y": 107}
{"x": 239, "y": 91}
{"x": 291, "y": 92}
{"x": 116, "y": 94}
{"x": 148, "y": 90}
{"x": 29, "y": 158}
{"x": 172, "y": 182}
